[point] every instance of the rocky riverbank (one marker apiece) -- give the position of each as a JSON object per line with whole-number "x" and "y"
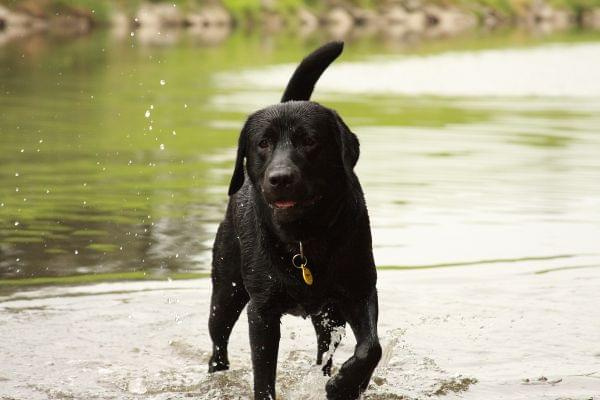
{"x": 213, "y": 21}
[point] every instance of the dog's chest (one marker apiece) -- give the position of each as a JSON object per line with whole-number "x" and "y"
{"x": 299, "y": 297}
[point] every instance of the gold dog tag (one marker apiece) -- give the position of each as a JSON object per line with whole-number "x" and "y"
{"x": 300, "y": 262}
{"x": 307, "y": 275}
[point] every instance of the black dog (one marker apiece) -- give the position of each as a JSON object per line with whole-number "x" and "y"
{"x": 296, "y": 237}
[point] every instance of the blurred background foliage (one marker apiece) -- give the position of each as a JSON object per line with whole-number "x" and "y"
{"x": 244, "y": 10}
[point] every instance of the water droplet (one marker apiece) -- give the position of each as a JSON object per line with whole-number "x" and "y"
{"x": 16, "y": 222}
{"x": 132, "y": 34}
{"x": 162, "y": 82}
{"x": 76, "y": 252}
{"x": 162, "y": 146}
{"x": 174, "y": 133}
{"x": 16, "y": 174}
{"x": 147, "y": 114}
{"x": 185, "y": 106}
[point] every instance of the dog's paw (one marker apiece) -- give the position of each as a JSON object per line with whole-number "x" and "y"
{"x": 337, "y": 390}
{"x": 214, "y": 365}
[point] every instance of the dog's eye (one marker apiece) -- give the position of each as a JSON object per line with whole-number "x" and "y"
{"x": 263, "y": 144}
{"x": 308, "y": 141}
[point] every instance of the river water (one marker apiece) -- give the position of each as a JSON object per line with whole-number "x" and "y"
{"x": 479, "y": 160}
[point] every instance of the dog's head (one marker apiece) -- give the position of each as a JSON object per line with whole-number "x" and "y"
{"x": 299, "y": 155}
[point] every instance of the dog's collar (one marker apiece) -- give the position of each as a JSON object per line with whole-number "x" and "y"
{"x": 299, "y": 261}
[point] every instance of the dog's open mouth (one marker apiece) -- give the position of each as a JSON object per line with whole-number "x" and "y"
{"x": 291, "y": 204}
{"x": 283, "y": 204}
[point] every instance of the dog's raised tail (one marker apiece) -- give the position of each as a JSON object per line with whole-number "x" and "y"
{"x": 303, "y": 81}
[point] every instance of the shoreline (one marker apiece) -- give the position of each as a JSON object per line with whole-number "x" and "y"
{"x": 215, "y": 21}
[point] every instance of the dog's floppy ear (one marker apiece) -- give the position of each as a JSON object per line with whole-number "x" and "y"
{"x": 237, "y": 179}
{"x": 348, "y": 143}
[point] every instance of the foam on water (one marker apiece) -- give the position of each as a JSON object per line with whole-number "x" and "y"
{"x": 461, "y": 331}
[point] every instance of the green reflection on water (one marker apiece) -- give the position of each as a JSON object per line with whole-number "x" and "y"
{"x": 105, "y": 169}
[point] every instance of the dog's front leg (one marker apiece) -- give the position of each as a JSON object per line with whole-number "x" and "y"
{"x": 264, "y": 344}
{"x": 354, "y": 375}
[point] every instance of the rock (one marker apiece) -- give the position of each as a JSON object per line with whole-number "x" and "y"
{"x": 591, "y": 19}
{"x": 541, "y": 16}
{"x": 339, "y": 22}
{"x": 563, "y": 19}
{"x": 307, "y": 19}
{"x": 493, "y": 19}
{"x": 159, "y": 15}
{"x": 10, "y": 19}
{"x": 396, "y": 32}
{"x": 447, "y": 21}
{"x": 271, "y": 22}
{"x": 307, "y": 23}
{"x": 363, "y": 16}
{"x": 3, "y": 17}
{"x": 416, "y": 21}
{"x": 541, "y": 11}
{"x": 413, "y": 21}
{"x": 339, "y": 16}
{"x": 395, "y": 15}
{"x": 369, "y": 29}
{"x": 15, "y": 25}
{"x": 210, "y": 16}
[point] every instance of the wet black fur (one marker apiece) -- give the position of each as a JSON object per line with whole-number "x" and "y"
{"x": 254, "y": 245}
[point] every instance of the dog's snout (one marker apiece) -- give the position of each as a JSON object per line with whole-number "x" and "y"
{"x": 281, "y": 177}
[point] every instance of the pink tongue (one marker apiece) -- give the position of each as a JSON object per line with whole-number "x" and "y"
{"x": 285, "y": 204}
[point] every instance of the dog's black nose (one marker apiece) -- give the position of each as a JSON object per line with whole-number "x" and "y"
{"x": 281, "y": 178}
